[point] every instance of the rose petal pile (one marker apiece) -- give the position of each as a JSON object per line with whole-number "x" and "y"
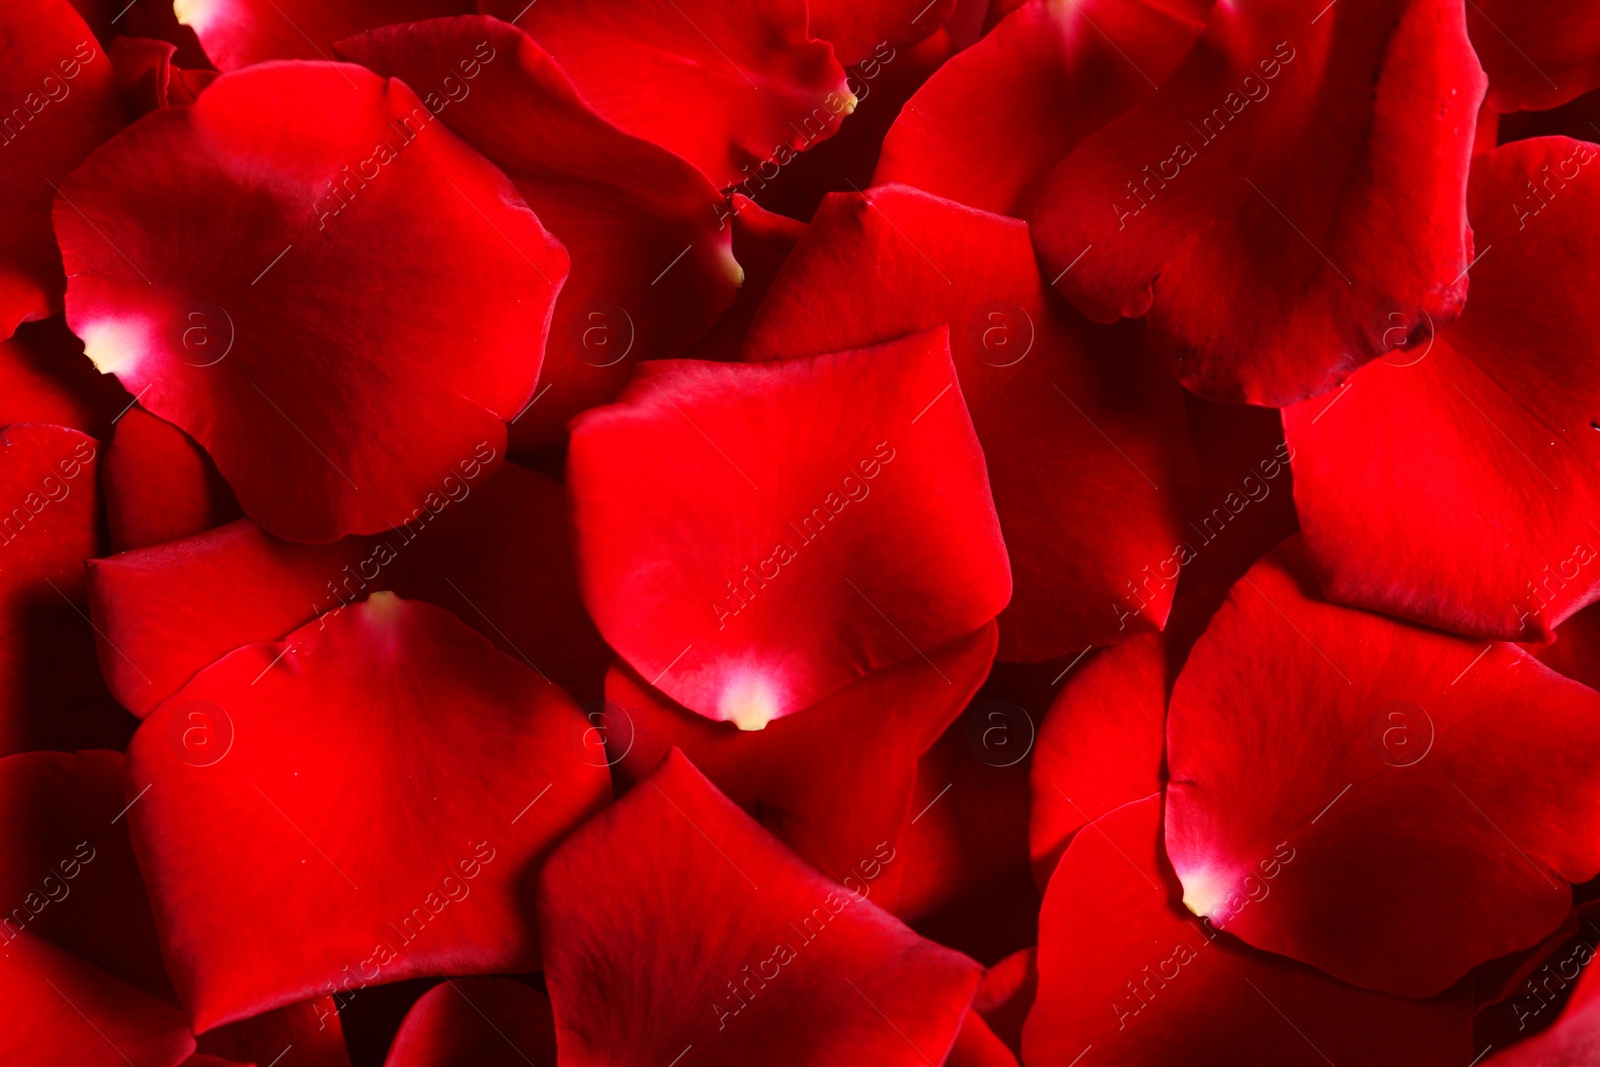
{"x": 799, "y": 532}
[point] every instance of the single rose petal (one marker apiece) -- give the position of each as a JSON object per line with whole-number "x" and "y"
{"x": 382, "y": 778}
{"x": 1100, "y": 747}
{"x": 307, "y": 1034}
{"x": 159, "y": 485}
{"x": 834, "y": 783}
{"x": 57, "y": 84}
{"x": 494, "y": 551}
{"x": 51, "y": 695}
{"x": 762, "y": 241}
{"x": 652, "y": 266}
{"x": 476, "y": 1022}
{"x": 1005, "y": 996}
{"x": 752, "y": 538}
{"x": 989, "y": 127}
{"x": 379, "y": 313}
{"x": 977, "y": 1046}
{"x": 766, "y": 961}
{"x": 44, "y": 377}
{"x": 1309, "y": 167}
{"x": 56, "y": 1009}
{"x": 237, "y": 33}
{"x": 1126, "y": 972}
{"x": 725, "y": 86}
{"x": 1537, "y": 55}
{"x": 1075, "y": 419}
{"x": 859, "y": 30}
{"x": 1417, "y": 763}
{"x": 66, "y": 868}
{"x": 1492, "y": 426}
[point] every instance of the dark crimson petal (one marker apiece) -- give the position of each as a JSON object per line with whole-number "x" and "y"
{"x": 67, "y": 872}
{"x": 476, "y": 1022}
{"x": 1574, "y": 1040}
{"x": 1309, "y": 167}
{"x": 1494, "y": 429}
{"x": 1005, "y": 996}
{"x": 652, "y": 266}
{"x": 752, "y": 538}
{"x": 1126, "y": 972}
{"x": 148, "y": 79}
{"x": 1522, "y": 994}
{"x": 44, "y": 377}
{"x": 1075, "y": 419}
{"x": 51, "y": 695}
{"x": 236, "y": 33}
{"x": 833, "y": 783}
{"x": 764, "y": 961}
{"x": 494, "y": 551}
{"x": 861, "y": 29}
{"x": 987, "y": 129}
{"x": 56, "y": 1009}
{"x": 331, "y": 407}
{"x": 1100, "y": 747}
{"x": 725, "y": 86}
{"x": 61, "y": 101}
{"x": 159, "y": 485}
{"x": 388, "y": 770}
{"x": 762, "y": 241}
{"x": 307, "y": 1034}
{"x": 1538, "y": 55}
{"x": 1418, "y": 764}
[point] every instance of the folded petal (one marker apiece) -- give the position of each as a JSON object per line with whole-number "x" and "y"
{"x": 765, "y": 961}
{"x": 1537, "y": 55}
{"x": 1126, "y": 972}
{"x": 1497, "y": 430}
{"x": 989, "y": 127}
{"x": 1436, "y": 794}
{"x": 476, "y": 1022}
{"x": 62, "y": 98}
{"x": 834, "y": 783}
{"x": 725, "y": 86}
{"x": 358, "y": 334}
{"x": 1309, "y": 167}
{"x": 1075, "y": 419}
{"x": 652, "y": 266}
{"x": 1573, "y": 1041}
{"x": 751, "y": 538}
{"x": 373, "y": 795}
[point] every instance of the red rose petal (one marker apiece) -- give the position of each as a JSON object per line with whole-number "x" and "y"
{"x": 846, "y": 492}
{"x": 1538, "y": 55}
{"x": 651, "y": 263}
{"x": 635, "y": 979}
{"x": 987, "y": 129}
{"x": 1418, "y": 764}
{"x": 236, "y": 33}
{"x": 1328, "y": 198}
{"x": 1492, "y": 429}
{"x": 476, "y": 1022}
{"x": 1576, "y": 650}
{"x": 1126, "y": 972}
{"x": 329, "y": 408}
{"x": 1056, "y": 401}
{"x": 159, "y": 485}
{"x": 859, "y": 29}
{"x": 1005, "y": 996}
{"x": 56, "y": 1009}
{"x": 148, "y": 79}
{"x": 833, "y": 783}
{"x": 725, "y": 86}
{"x": 1100, "y": 747}
{"x": 977, "y": 1046}
{"x": 62, "y": 101}
{"x": 51, "y": 695}
{"x": 1574, "y": 1040}
{"x": 307, "y": 1034}
{"x": 379, "y": 761}
{"x": 44, "y": 377}
{"x": 495, "y": 552}
{"x": 66, "y": 868}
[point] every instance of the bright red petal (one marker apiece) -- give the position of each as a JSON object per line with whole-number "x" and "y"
{"x": 725, "y": 86}
{"x": 61, "y": 102}
{"x": 652, "y": 266}
{"x": 1495, "y": 430}
{"x": 1075, "y": 419}
{"x": 476, "y": 1022}
{"x": 989, "y": 127}
{"x": 312, "y": 809}
{"x": 236, "y": 33}
{"x": 160, "y": 486}
{"x": 795, "y": 970}
{"x": 1124, "y": 971}
{"x": 1436, "y": 794}
{"x": 752, "y": 538}
{"x": 1310, "y": 168}
{"x": 330, "y": 406}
